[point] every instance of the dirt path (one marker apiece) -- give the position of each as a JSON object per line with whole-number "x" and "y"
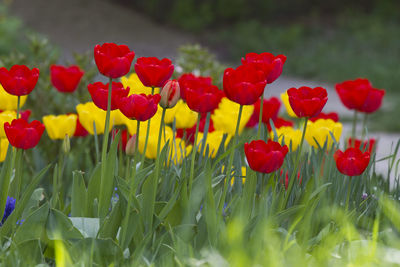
{"x": 78, "y": 25}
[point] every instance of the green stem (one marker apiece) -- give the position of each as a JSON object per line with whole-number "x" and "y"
{"x": 364, "y": 127}
{"x": 194, "y": 151}
{"x": 296, "y": 165}
{"x": 103, "y": 207}
{"x": 354, "y": 128}
{"x": 147, "y": 136}
{"x": 205, "y": 133}
{"x": 260, "y": 117}
{"x": 18, "y": 172}
{"x": 160, "y": 131}
{"x": 18, "y": 106}
{"x": 96, "y": 142}
{"x": 348, "y": 194}
{"x": 230, "y": 162}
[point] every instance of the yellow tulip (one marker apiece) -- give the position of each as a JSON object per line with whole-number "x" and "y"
{"x": 58, "y": 127}
{"x": 226, "y": 115}
{"x": 90, "y": 115}
{"x": 213, "y": 142}
{"x": 118, "y": 118}
{"x": 285, "y": 100}
{"x": 319, "y": 132}
{"x": 3, "y": 148}
{"x": 9, "y": 102}
{"x": 184, "y": 116}
{"x": 179, "y": 150}
{"x": 136, "y": 86}
{"x": 288, "y": 135}
{"x": 6, "y": 116}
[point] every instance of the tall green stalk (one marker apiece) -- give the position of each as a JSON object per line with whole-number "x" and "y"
{"x": 194, "y": 151}
{"x": 354, "y": 128}
{"x": 18, "y": 106}
{"x": 260, "y": 116}
{"x": 348, "y": 194}
{"x": 103, "y": 207}
{"x": 230, "y": 162}
{"x": 147, "y": 136}
{"x": 205, "y": 134}
{"x": 364, "y": 127}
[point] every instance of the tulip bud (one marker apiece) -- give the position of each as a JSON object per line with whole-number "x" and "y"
{"x": 170, "y": 94}
{"x": 66, "y": 144}
{"x": 131, "y": 146}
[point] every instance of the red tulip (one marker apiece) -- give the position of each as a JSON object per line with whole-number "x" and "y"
{"x": 265, "y": 157}
{"x": 188, "y": 79}
{"x": 306, "y": 101}
{"x": 19, "y": 80}
{"x": 99, "y": 93}
{"x": 326, "y": 116}
{"x": 352, "y": 161}
{"x": 153, "y": 72}
{"x": 370, "y": 144}
{"x": 139, "y": 107}
{"x": 360, "y": 95}
{"x": 245, "y": 84}
{"x": 203, "y": 98}
{"x": 270, "y": 111}
{"x": 170, "y": 94}
{"x": 80, "y": 131}
{"x": 65, "y": 79}
{"x": 299, "y": 179}
{"x": 280, "y": 122}
{"x": 113, "y": 60}
{"x": 271, "y": 65}
{"x": 22, "y": 134}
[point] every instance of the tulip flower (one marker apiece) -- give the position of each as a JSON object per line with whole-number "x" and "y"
{"x": 183, "y": 115}
{"x": 190, "y": 132}
{"x": 19, "y": 80}
{"x": 3, "y": 148}
{"x": 6, "y": 116}
{"x": 151, "y": 149}
{"x": 170, "y": 94}
{"x": 270, "y": 65}
{"x": 306, "y": 101}
{"x": 280, "y": 122}
{"x": 245, "y": 84}
{"x": 188, "y": 80}
{"x": 319, "y": 132}
{"x": 99, "y": 93}
{"x": 89, "y": 115}
{"x": 213, "y": 142}
{"x": 65, "y": 79}
{"x": 130, "y": 146}
{"x": 153, "y": 72}
{"x": 359, "y": 95}
{"x": 352, "y": 161}
{"x": 113, "y": 60}
{"x": 326, "y": 116}
{"x": 58, "y": 127}
{"x": 285, "y": 100}
{"x": 203, "y": 98}
{"x": 139, "y": 107}
{"x": 289, "y": 136}
{"x": 22, "y": 134}
{"x": 225, "y": 116}
{"x": 270, "y": 109}
{"x": 80, "y": 131}
{"x": 8, "y": 101}
{"x": 136, "y": 86}
{"x": 367, "y": 145}
{"x": 265, "y": 157}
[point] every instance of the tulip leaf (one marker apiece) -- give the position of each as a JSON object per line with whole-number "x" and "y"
{"x": 88, "y": 227}
{"x": 58, "y": 226}
{"x": 78, "y": 199}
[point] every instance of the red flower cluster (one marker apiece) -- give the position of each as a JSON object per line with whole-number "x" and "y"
{"x": 19, "y": 80}
{"x": 188, "y": 80}
{"x": 139, "y": 107}
{"x": 326, "y": 116}
{"x": 360, "y": 95}
{"x": 153, "y": 72}
{"x": 306, "y": 101}
{"x": 65, "y": 79}
{"x": 99, "y": 93}
{"x": 113, "y": 60}
{"x": 203, "y": 98}
{"x": 268, "y": 63}
{"x": 265, "y": 157}
{"x": 22, "y": 134}
{"x": 352, "y": 161}
{"x": 367, "y": 145}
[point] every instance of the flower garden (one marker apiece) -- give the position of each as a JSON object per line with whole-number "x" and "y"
{"x": 161, "y": 167}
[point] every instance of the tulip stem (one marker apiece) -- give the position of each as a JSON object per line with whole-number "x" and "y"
{"x": 191, "y": 174}
{"x": 296, "y": 165}
{"x": 354, "y": 128}
{"x": 205, "y": 133}
{"x": 18, "y": 172}
{"x": 147, "y": 136}
{"x": 348, "y": 194}
{"x": 260, "y": 116}
{"x": 18, "y": 105}
{"x": 364, "y": 127}
{"x": 230, "y": 162}
{"x": 103, "y": 207}
{"x": 160, "y": 132}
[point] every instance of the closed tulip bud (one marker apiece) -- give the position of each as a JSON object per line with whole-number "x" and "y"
{"x": 66, "y": 144}
{"x": 131, "y": 146}
{"x": 170, "y": 94}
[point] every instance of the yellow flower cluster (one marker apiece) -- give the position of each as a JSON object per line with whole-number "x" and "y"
{"x": 183, "y": 115}
{"x": 289, "y": 136}
{"x": 213, "y": 142}
{"x": 6, "y": 116}
{"x": 285, "y": 100}
{"x": 58, "y": 127}
{"x": 9, "y": 102}
{"x": 319, "y": 132}
{"x": 3, "y": 148}
{"x": 136, "y": 86}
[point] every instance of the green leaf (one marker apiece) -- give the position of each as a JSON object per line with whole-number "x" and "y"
{"x": 78, "y": 199}
{"x": 5, "y": 177}
{"x": 59, "y": 227}
{"x": 89, "y": 227}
